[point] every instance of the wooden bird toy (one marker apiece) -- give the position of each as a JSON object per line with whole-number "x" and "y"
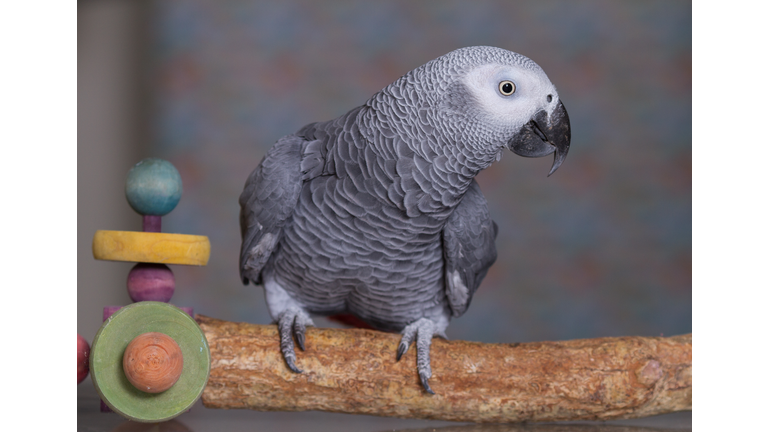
{"x": 150, "y": 361}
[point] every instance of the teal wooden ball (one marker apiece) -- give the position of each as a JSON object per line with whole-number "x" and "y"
{"x": 153, "y": 187}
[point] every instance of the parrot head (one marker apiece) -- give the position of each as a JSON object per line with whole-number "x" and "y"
{"x": 516, "y": 98}
{"x": 484, "y": 99}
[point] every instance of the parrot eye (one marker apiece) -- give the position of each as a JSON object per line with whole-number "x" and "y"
{"x": 506, "y": 87}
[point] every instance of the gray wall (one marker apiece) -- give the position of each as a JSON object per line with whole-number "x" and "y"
{"x": 111, "y": 137}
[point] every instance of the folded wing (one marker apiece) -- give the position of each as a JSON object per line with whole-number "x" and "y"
{"x": 468, "y": 248}
{"x": 266, "y": 204}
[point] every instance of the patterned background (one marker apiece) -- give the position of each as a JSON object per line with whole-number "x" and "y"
{"x": 601, "y": 248}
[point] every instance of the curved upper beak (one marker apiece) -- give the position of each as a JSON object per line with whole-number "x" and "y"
{"x": 543, "y": 135}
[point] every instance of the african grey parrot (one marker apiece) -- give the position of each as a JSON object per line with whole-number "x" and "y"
{"x": 377, "y": 213}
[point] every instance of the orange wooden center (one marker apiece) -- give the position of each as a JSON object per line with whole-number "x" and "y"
{"x": 153, "y": 362}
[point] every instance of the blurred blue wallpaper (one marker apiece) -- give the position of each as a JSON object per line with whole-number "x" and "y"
{"x": 601, "y": 248}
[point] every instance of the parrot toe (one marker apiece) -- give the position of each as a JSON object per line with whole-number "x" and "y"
{"x": 292, "y": 322}
{"x": 423, "y": 330}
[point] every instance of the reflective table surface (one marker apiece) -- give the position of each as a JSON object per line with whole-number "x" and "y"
{"x": 200, "y": 419}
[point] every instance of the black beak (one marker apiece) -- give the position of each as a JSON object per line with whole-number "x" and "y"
{"x": 543, "y": 135}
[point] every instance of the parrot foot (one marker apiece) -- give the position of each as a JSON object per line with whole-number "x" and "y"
{"x": 422, "y": 332}
{"x": 292, "y": 322}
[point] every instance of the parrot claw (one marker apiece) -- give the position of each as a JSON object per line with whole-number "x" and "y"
{"x": 409, "y": 332}
{"x": 290, "y": 361}
{"x": 299, "y": 329}
{"x": 292, "y": 322}
{"x": 300, "y": 340}
{"x": 402, "y": 349}
{"x": 425, "y": 383}
{"x": 422, "y": 330}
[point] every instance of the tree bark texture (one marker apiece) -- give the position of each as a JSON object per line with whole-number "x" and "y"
{"x": 354, "y": 371}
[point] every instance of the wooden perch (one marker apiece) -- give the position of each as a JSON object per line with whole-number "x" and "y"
{"x": 354, "y": 371}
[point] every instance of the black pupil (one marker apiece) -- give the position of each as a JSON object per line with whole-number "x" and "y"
{"x": 506, "y": 88}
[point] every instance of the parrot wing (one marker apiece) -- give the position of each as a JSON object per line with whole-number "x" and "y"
{"x": 468, "y": 248}
{"x": 267, "y": 202}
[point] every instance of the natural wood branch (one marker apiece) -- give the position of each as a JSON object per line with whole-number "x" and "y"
{"x": 354, "y": 371}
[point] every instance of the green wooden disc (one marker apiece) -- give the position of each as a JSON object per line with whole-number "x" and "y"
{"x": 106, "y": 361}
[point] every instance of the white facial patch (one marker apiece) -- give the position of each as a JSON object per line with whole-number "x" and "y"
{"x": 531, "y": 90}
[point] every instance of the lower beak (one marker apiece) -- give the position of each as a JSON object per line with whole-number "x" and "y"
{"x": 543, "y": 135}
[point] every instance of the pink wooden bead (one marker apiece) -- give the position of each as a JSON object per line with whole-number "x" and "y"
{"x": 151, "y": 282}
{"x": 83, "y": 352}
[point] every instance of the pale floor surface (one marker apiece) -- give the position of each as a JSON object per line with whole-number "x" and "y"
{"x": 200, "y": 419}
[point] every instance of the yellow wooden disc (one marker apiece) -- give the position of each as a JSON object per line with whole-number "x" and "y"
{"x": 151, "y": 247}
